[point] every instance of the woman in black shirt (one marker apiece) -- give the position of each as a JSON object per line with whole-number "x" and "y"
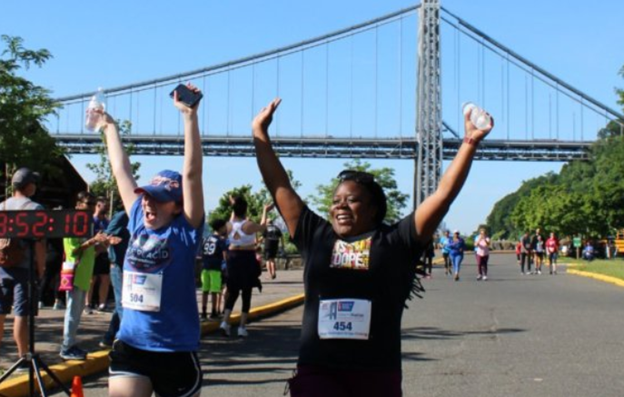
{"x": 359, "y": 272}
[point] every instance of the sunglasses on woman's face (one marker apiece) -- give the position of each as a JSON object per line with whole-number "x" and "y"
{"x": 357, "y": 176}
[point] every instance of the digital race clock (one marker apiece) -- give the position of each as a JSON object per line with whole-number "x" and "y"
{"x": 45, "y": 224}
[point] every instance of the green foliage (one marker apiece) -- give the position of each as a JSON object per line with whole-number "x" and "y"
{"x": 24, "y": 107}
{"x": 384, "y": 176}
{"x": 255, "y": 203}
{"x": 585, "y": 198}
{"x": 105, "y": 184}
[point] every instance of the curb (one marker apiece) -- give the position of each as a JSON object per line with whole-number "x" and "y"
{"x": 600, "y": 277}
{"x": 97, "y": 362}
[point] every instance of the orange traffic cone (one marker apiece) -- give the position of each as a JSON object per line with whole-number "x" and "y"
{"x": 76, "y": 389}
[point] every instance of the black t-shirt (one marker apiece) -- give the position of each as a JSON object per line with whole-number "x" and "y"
{"x": 378, "y": 266}
{"x": 213, "y": 247}
{"x": 271, "y": 235}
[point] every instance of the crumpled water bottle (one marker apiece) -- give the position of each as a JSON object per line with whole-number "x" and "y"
{"x": 97, "y": 105}
{"x": 478, "y": 116}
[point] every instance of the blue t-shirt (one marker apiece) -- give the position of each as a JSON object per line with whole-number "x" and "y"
{"x": 169, "y": 251}
{"x": 444, "y": 242}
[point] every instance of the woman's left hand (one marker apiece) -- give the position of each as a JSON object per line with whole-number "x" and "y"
{"x": 472, "y": 132}
{"x": 184, "y": 108}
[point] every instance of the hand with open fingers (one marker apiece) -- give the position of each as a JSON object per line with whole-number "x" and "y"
{"x": 473, "y": 133}
{"x": 269, "y": 207}
{"x": 181, "y": 105}
{"x": 265, "y": 116}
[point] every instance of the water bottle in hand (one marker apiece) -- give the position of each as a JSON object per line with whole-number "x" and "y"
{"x": 97, "y": 105}
{"x": 478, "y": 116}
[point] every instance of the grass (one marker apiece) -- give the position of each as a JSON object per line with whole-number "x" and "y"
{"x": 612, "y": 268}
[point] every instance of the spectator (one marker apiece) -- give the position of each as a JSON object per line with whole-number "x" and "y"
{"x": 443, "y": 245}
{"x": 457, "y": 247}
{"x": 50, "y": 293}
{"x": 552, "y": 250}
{"x": 213, "y": 254}
{"x": 14, "y": 280}
{"x": 428, "y": 256}
{"x": 482, "y": 250}
{"x": 242, "y": 267}
{"x": 588, "y": 251}
{"x": 272, "y": 237}
{"x": 80, "y": 252}
{"x": 118, "y": 237}
{"x": 101, "y": 269}
{"x": 526, "y": 253}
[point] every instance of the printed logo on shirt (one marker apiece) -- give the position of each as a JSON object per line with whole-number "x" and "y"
{"x": 354, "y": 255}
{"x": 148, "y": 253}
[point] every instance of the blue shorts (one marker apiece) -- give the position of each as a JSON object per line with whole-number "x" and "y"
{"x": 14, "y": 292}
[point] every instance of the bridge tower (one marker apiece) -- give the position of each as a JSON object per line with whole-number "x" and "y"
{"x": 428, "y": 167}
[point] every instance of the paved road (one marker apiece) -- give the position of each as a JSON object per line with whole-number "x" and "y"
{"x": 513, "y": 335}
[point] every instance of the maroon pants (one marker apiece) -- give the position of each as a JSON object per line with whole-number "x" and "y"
{"x": 323, "y": 382}
{"x": 482, "y": 262}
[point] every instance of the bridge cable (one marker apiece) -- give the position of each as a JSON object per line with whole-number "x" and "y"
{"x": 277, "y": 94}
{"x": 351, "y": 94}
{"x": 245, "y": 60}
{"x": 227, "y": 120}
{"x": 376, "y": 84}
{"x": 155, "y": 108}
{"x": 253, "y": 90}
{"x": 527, "y": 62}
{"x": 302, "y": 91}
{"x": 400, "y": 77}
{"x": 204, "y": 106}
{"x": 326, "y": 90}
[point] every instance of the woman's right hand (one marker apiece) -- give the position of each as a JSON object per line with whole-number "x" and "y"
{"x": 264, "y": 118}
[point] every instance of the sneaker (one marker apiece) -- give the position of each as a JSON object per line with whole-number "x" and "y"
{"x": 73, "y": 353}
{"x": 484, "y": 278}
{"x": 225, "y": 328}
{"x": 456, "y": 277}
{"x": 58, "y": 306}
{"x": 203, "y": 317}
{"x": 539, "y": 272}
{"x": 24, "y": 366}
{"x": 479, "y": 277}
{"x": 102, "y": 308}
{"x": 105, "y": 344}
{"x": 242, "y": 332}
{"x": 88, "y": 310}
{"x": 214, "y": 316}
{"x": 40, "y": 305}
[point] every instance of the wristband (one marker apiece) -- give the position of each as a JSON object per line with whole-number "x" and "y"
{"x": 471, "y": 141}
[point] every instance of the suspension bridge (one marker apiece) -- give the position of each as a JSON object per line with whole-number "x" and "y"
{"x": 372, "y": 90}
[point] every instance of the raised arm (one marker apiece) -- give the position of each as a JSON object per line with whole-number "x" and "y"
{"x": 192, "y": 189}
{"x": 288, "y": 203}
{"x": 431, "y": 211}
{"x": 120, "y": 163}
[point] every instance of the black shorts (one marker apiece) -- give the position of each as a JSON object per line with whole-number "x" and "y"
{"x": 174, "y": 374}
{"x": 270, "y": 253}
{"x": 102, "y": 264}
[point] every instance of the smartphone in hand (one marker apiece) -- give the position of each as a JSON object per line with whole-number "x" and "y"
{"x": 186, "y": 95}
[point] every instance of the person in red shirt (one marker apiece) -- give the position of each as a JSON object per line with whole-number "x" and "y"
{"x": 552, "y": 248}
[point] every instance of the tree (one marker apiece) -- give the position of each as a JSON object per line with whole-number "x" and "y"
{"x": 384, "y": 176}
{"x": 255, "y": 200}
{"x": 105, "y": 184}
{"x": 24, "y": 108}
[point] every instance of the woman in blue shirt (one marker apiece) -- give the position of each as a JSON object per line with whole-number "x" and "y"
{"x": 456, "y": 248}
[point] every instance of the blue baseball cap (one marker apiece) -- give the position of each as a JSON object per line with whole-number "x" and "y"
{"x": 165, "y": 186}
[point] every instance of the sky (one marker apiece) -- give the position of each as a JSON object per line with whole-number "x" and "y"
{"x": 120, "y": 42}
